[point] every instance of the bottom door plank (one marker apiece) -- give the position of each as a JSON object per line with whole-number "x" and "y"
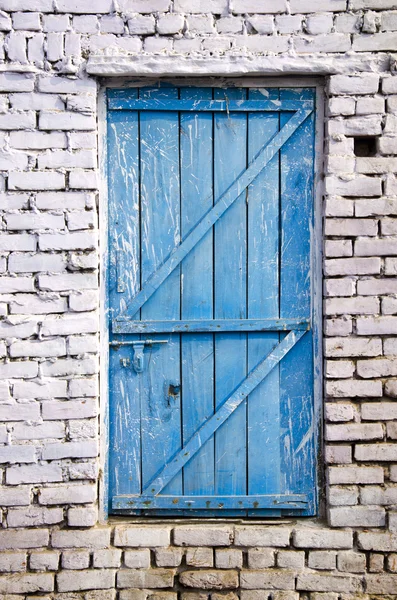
{"x": 279, "y": 501}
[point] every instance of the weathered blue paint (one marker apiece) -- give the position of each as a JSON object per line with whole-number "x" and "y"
{"x": 227, "y": 198}
{"x": 223, "y": 413}
{"x": 211, "y": 202}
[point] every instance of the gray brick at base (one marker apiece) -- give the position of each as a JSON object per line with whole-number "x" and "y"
{"x": 54, "y": 58}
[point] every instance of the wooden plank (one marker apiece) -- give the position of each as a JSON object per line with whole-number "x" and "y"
{"x": 218, "y": 503}
{"x": 223, "y": 413}
{"x": 296, "y": 371}
{"x": 197, "y": 352}
{"x": 160, "y": 202}
{"x": 124, "y": 404}
{"x": 263, "y": 418}
{"x": 230, "y": 263}
{"x": 223, "y": 203}
{"x": 195, "y": 105}
{"x": 205, "y": 325}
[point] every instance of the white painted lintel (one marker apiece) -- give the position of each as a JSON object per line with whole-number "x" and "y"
{"x": 233, "y": 65}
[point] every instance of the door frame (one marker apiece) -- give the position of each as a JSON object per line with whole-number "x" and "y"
{"x": 316, "y": 261}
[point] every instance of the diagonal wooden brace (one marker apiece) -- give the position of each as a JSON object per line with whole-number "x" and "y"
{"x": 254, "y": 378}
{"x": 221, "y": 206}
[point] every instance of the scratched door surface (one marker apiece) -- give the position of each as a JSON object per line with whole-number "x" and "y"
{"x": 211, "y": 345}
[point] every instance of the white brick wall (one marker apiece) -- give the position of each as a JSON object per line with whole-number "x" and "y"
{"x": 49, "y": 346}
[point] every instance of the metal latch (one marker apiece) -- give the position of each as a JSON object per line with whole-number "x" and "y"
{"x": 137, "y": 356}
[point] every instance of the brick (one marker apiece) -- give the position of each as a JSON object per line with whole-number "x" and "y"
{"x": 68, "y": 241}
{"x": 81, "y": 449}
{"x": 26, "y": 583}
{"x": 33, "y": 263}
{"x": 15, "y": 496}
{"x": 169, "y": 557}
{"x": 353, "y": 432}
{"x": 352, "y": 266}
{"x": 391, "y": 388}
{"x": 376, "y": 563}
{"x": 33, "y": 474}
{"x": 56, "y": 159}
{"x": 377, "y": 165}
{"x": 353, "y": 388}
{"x": 137, "y": 559}
{"x": 228, "y": 558}
{"x": 68, "y": 366}
{"x": 43, "y": 389}
{"x": 376, "y": 453}
{"x": 135, "y": 536}
{"x": 107, "y": 558}
{"x": 75, "y": 559}
{"x": 70, "y": 324}
{"x": 91, "y": 539}
{"x": 153, "y": 578}
{"x": 352, "y": 306}
{"x": 375, "y": 495}
{"x": 360, "y": 185}
{"x": 202, "y": 536}
{"x": 38, "y": 431}
{"x": 357, "y": 516}
{"x": 37, "y": 348}
{"x": 82, "y": 517}
{"x": 262, "y": 536}
{"x": 256, "y": 6}
{"x": 383, "y": 584}
{"x": 367, "y": 83}
{"x": 353, "y": 474}
{"x": 25, "y": 304}
{"x": 16, "y": 82}
{"x": 374, "y": 43}
{"x": 371, "y": 286}
{"x": 268, "y": 579}
{"x": 322, "y": 538}
{"x": 19, "y": 539}
{"x": 13, "y": 561}
{"x": 15, "y": 369}
{"x": 380, "y": 542}
{"x": 343, "y": 495}
{"x": 322, "y": 560}
{"x": 391, "y": 266}
{"x": 72, "y": 409}
{"x": 200, "y": 557}
{"x": 367, "y": 106}
{"x": 339, "y": 369}
{"x": 338, "y": 454}
{"x": 33, "y": 516}
{"x": 260, "y": 558}
{"x": 346, "y": 347}
{"x": 376, "y": 368}
{"x": 289, "y": 559}
{"x": 65, "y": 121}
{"x": 36, "y": 180}
{"x": 336, "y": 248}
{"x": 64, "y": 85}
{"x": 328, "y": 583}
{"x": 86, "y": 579}
{"x": 17, "y": 454}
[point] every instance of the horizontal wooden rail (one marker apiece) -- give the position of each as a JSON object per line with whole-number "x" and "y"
{"x": 278, "y": 501}
{"x": 122, "y": 325}
{"x": 209, "y": 105}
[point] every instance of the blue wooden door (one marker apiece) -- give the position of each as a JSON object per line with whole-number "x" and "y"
{"x": 210, "y": 301}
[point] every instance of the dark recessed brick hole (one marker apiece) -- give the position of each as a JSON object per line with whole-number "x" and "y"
{"x": 365, "y": 146}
